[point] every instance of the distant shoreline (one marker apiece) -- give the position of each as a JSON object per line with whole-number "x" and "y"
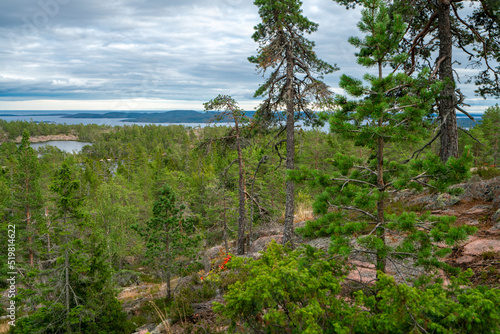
{"x": 152, "y": 117}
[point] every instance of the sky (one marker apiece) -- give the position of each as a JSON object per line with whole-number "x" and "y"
{"x": 152, "y": 54}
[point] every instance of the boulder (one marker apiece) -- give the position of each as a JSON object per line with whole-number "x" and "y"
{"x": 488, "y": 190}
{"x": 147, "y": 328}
{"x": 270, "y": 232}
{"x": 465, "y": 259}
{"x": 320, "y": 243}
{"x": 496, "y": 216}
{"x": 182, "y": 283}
{"x": 495, "y": 228}
{"x": 364, "y": 272}
{"x": 479, "y": 246}
{"x": 478, "y": 210}
{"x": 210, "y": 255}
{"x": 435, "y": 201}
{"x": 443, "y": 200}
{"x": 261, "y": 243}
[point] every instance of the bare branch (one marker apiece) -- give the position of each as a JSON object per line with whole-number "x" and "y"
{"x": 227, "y": 168}
{"x": 470, "y": 135}
{"x": 353, "y": 180}
{"x": 417, "y": 152}
{"x": 465, "y": 113}
{"x": 366, "y": 168}
{"x": 420, "y": 37}
{"x": 262, "y": 210}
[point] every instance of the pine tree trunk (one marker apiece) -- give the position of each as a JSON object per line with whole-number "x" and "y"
{"x": 224, "y": 222}
{"x": 381, "y": 261}
{"x": 446, "y": 100}
{"x": 66, "y": 281}
{"x": 30, "y": 242}
{"x": 290, "y": 150}
{"x": 48, "y": 232}
{"x": 241, "y": 211}
{"x": 167, "y": 265}
{"x": 169, "y": 293}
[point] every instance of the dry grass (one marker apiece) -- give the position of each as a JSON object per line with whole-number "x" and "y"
{"x": 144, "y": 290}
{"x": 164, "y": 318}
{"x": 140, "y": 291}
{"x": 4, "y": 328}
{"x": 303, "y": 211}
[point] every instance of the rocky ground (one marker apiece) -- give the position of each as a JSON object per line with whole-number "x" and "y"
{"x": 42, "y": 139}
{"x": 478, "y": 205}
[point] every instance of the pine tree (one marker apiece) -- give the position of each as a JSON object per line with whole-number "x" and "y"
{"x": 490, "y": 129}
{"x": 439, "y": 26}
{"x": 230, "y": 109}
{"x": 169, "y": 235}
{"x": 292, "y": 85}
{"x": 390, "y": 110}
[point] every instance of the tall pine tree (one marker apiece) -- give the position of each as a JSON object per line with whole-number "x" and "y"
{"x": 436, "y": 31}
{"x": 389, "y": 110}
{"x": 294, "y": 83}
{"x": 231, "y": 111}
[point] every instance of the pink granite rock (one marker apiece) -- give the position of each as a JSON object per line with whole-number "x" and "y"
{"x": 465, "y": 259}
{"x": 363, "y": 275}
{"x": 479, "y": 246}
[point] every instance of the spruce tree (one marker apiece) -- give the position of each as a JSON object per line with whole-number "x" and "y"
{"x": 294, "y": 83}
{"x": 68, "y": 203}
{"x": 28, "y": 196}
{"x": 75, "y": 294}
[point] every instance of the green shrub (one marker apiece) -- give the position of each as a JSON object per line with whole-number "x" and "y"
{"x": 286, "y": 292}
{"x": 300, "y": 292}
{"x": 197, "y": 292}
{"x": 487, "y": 172}
{"x": 125, "y": 277}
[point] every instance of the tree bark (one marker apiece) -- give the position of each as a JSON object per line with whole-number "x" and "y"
{"x": 167, "y": 265}
{"x": 290, "y": 148}
{"x": 381, "y": 261}
{"x": 446, "y": 100}
{"x": 241, "y": 210}
{"x": 224, "y": 222}
{"x": 30, "y": 242}
{"x": 66, "y": 280}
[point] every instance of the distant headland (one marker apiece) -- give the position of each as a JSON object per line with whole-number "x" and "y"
{"x": 172, "y": 116}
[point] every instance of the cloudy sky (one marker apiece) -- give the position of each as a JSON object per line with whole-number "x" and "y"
{"x": 149, "y": 54}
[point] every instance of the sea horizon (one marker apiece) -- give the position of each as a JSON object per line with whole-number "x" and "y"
{"x": 65, "y": 116}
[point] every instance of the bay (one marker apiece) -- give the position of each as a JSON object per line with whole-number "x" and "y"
{"x": 69, "y": 146}
{"x": 61, "y": 117}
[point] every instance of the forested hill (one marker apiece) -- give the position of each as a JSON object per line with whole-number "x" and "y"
{"x": 172, "y": 116}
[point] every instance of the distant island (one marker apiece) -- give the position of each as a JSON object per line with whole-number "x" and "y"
{"x": 192, "y": 116}
{"x": 172, "y": 116}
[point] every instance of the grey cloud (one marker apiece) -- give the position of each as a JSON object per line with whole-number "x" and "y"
{"x": 152, "y": 49}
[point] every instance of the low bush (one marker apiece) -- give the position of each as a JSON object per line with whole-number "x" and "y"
{"x": 300, "y": 292}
